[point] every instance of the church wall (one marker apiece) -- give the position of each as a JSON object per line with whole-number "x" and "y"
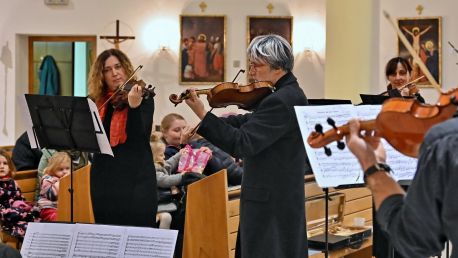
{"x": 154, "y": 23}
{"x": 388, "y": 41}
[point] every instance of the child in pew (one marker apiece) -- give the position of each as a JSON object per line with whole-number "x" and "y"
{"x": 15, "y": 212}
{"x": 171, "y": 207}
{"x": 168, "y": 179}
{"x": 58, "y": 167}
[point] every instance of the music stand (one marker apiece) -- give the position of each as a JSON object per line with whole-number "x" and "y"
{"x": 63, "y": 123}
{"x": 369, "y": 99}
{"x": 320, "y": 102}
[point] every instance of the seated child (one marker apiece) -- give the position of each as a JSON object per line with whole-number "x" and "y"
{"x": 58, "y": 167}
{"x": 167, "y": 178}
{"x": 15, "y": 212}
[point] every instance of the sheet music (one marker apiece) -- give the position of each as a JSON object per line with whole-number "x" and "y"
{"x": 342, "y": 168}
{"x": 99, "y": 130}
{"x": 47, "y": 240}
{"x": 91, "y": 240}
{"x": 27, "y": 119}
{"x": 142, "y": 242}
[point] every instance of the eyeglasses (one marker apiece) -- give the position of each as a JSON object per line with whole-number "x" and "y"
{"x": 256, "y": 65}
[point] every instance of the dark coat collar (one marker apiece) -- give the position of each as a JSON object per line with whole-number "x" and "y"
{"x": 286, "y": 79}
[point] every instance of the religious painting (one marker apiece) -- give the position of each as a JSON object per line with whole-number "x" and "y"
{"x": 263, "y": 25}
{"x": 424, "y": 34}
{"x": 202, "y": 46}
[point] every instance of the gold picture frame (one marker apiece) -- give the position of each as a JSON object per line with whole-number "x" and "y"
{"x": 202, "y": 49}
{"x": 425, "y": 36}
{"x": 262, "y": 25}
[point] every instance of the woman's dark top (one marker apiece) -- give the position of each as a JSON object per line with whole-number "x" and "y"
{"x": 123, "y": 187}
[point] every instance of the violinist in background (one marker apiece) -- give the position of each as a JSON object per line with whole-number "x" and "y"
{"x": 123, "y": 187}
{"x": 398, "y": 72}
{"x": 272, "y": 213}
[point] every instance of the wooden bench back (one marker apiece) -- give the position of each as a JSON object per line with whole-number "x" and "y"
{"x": 27, "y": 181}
{"x": 8, "y": 149}
{"x": 82, "y": 202}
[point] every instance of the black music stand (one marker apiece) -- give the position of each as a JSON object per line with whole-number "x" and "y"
{"x": 63, "y": 123}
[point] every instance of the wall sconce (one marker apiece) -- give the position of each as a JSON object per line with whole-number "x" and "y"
{"x": 160, "y": 34}
{"x": 309, "y": 37}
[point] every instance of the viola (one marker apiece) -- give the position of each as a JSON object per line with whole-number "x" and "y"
{"x": 120, "y": 100}
{"x": 401, "y": 122}
{"x": 230, "y": 93}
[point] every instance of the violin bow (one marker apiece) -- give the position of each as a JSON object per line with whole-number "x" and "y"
{"x": 407, "y": 84}
{"x": 122, "y": 86}
{"x": 412, "y": 52}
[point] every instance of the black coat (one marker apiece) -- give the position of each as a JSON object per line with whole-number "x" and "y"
{"x": 23, "y": 156}
{"x": 272, "y": 213}
{"x": 123, "y": 187}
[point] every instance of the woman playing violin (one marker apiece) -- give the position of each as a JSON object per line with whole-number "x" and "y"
{"x": 123, "y": 187}
{"x": 398, "y": 72}
{"x": 269, "y": 142}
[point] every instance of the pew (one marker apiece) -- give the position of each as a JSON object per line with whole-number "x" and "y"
{"x": 82, "y": 203}
{"x": 27, "y": 181}
{"x": 212, "y": 217}
{"x": 8, "y": 149}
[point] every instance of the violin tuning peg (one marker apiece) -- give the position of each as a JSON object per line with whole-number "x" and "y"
{"x": 331, "y": 122}
{"x": 327, "y": 151}
{"x": 453, "y": 100}
{"x": 319, "y": 128}
{"x": 340, "y": 145}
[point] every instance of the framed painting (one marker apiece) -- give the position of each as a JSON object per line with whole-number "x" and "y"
{"x": 263, "y": 25}
{"x": 425, "y": 36}
{"x": 203, "y": 48}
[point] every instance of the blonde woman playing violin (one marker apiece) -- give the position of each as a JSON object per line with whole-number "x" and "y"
{"x": 398, "y": 73}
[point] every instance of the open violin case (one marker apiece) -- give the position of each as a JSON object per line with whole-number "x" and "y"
{"x": 339, "y": 235}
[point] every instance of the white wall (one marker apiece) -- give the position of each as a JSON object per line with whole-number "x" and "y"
{"x": 388, "y": 41}
{"x": 154, "y": 22}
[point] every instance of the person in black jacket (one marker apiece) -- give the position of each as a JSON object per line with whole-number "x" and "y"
{"x": 123, "y": 186}
{"x": 221, "y": 160}
{"x": 23, "y": 156}
{"x": 272, "y": 212}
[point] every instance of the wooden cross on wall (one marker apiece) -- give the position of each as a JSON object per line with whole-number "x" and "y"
{"x": 117, "y": 39}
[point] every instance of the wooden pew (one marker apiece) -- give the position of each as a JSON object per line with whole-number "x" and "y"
{"x": 206, "y": 222}
{"x": 82, "y": 202}
{"x": 27, "y": 181}
{"x": 8, "y": 149}
{"x": 212, "y": 217}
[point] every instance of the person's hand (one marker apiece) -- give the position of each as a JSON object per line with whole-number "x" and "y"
{"x": 191, "y": 177}
{"x": 367, "y": 148}
{"x": 186, "y": 134}
{"x": 135, "y": 96}
{"x": 196, "y": 104}
{"x": 206, "y": 150}
{"x": 405, "y": 91}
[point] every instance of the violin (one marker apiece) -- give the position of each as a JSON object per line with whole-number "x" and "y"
{"x": 120, "y": 101}
{"x": 401, "y": 122}
{"x": 230, "y": 93}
